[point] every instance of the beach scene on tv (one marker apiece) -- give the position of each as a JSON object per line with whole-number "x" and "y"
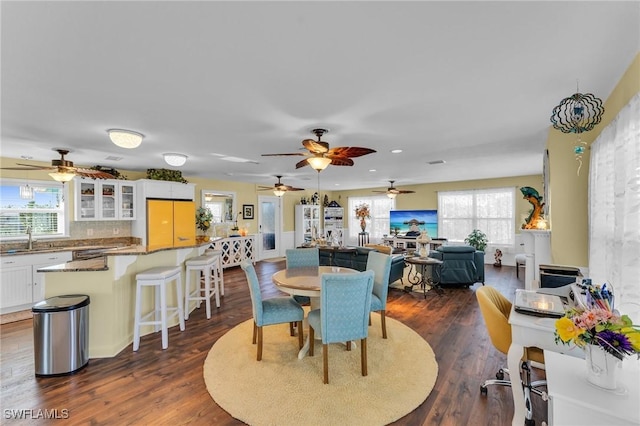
{"x": 412, "y": 221}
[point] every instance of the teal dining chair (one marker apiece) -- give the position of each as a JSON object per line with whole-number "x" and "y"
{"x": 301, "y": 258}
{"x": 277, "y": 310}
{"x": 345, "y": 303}
{"x": 380, "y": 264}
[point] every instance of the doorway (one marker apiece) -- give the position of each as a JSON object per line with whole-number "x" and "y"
{"x": 269, "y": 226}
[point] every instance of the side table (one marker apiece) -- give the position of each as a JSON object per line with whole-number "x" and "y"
{"x": 426, "y": 265}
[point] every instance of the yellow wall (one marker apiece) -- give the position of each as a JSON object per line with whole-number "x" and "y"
{"x": 568, "y": 199}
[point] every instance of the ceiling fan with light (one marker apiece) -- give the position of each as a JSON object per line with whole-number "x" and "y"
{"x": 320, "y": 155}
{"x": 392, "y": 191}
{"x": 64, "y": 169}
{"x": 279, "y": 188}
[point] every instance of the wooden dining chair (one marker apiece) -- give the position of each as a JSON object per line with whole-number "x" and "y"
{"x": 345, "y": 303}
{"x": 277, "y": 310}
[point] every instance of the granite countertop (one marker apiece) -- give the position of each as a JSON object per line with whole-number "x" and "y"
{"x": 100, "y": 263}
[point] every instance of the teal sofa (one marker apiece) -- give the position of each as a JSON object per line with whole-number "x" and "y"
{"x": 356, "y": 258}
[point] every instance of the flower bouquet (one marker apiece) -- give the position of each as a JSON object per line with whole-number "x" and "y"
{"x": 362, "y": 213}
{"x": 203, "y": 219}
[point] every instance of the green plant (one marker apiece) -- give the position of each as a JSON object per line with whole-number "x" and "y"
{"x": 166, "y": 174}
{"x": 477, "y": 239}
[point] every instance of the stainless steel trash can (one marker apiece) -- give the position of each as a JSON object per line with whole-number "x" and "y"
{"x": 61, "y": 334}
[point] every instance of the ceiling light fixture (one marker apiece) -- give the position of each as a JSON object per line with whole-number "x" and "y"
{"x": 175, "y": 159}
{"x": 319, "y": 163}
{"x": 278, "y": 192}
{"x": 61, "y": 176}
{"x": 391, "y": 195}
{"x": 125, "y": 138}
{"x": 578, "y": 113}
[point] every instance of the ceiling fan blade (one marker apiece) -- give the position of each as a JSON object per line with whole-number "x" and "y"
{"x": 302, "y": 163}
{"x": 28, "y": 167}
{"x": 340, "y": 161}
{"x": 404, "y": 191}
{"x": 380, "y": 192}
{"x": 291, "y": 188}
{"x": 351, "y": 151}
{"x": 94, "y": 174}
{"x": 279, "y": 155}
{"x": 316, "y": 147}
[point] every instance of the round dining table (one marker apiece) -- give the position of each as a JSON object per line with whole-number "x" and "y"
{"x": 306, "y": 281}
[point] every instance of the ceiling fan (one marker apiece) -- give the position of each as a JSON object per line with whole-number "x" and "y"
{"x": 64, "y": 169}
{"x": 320, "y": 155}
{"x": 279, "y": 188}
{"x": 392, "y": 191}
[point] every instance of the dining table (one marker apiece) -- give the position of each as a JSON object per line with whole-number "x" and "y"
{"x": 306, "y": 281}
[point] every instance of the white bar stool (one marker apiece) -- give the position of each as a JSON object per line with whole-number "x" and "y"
{"x": 217, "y": 268}
{"x": 200, "y": 264}
{"x": 158, "y": 277}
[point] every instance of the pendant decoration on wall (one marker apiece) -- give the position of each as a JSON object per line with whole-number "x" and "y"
{"x": 577, "y": 114}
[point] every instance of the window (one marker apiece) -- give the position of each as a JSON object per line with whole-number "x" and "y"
{"x": 378, "y": 224}
{"x": 42, "y": 208}
{"x": 490, "y": 210}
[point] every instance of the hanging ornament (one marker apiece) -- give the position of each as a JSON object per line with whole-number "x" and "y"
{"x": 577, "y": 114}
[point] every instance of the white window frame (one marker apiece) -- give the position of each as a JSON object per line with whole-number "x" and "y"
{"x": 378, "y": 224}
{"x": 478, "y": 217}
{"x": 63, "y": 220}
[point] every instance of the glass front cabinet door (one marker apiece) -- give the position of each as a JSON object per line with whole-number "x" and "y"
{"x": 104, "y": 200}
{"x": 86, "y": 200}
{"x": 127, "y": 199}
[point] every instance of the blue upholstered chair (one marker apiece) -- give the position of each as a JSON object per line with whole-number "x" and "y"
{"x": 345, "y": 303}
{"x": 301, "y": 258}
{"x": 380, "y": 264}
{"x": 277, "y": 310}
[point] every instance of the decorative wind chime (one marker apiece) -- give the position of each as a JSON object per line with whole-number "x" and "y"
{"x": 577, "y": 114}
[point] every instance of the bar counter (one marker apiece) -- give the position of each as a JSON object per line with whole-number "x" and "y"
{"x": 110, "y": 282}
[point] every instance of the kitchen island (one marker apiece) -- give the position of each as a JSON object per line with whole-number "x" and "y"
{"x": 110, "y": 282}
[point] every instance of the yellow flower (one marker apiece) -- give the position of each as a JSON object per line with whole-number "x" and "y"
{"x": 567, "y": 330}
{"x": 633, "y": 336}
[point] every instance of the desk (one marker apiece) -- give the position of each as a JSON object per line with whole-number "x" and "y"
{"x": 526, "y": 331}
{"x": 425, "y": 279}
{"x": 306, "y": 282}
{"x": 574, "y": 401}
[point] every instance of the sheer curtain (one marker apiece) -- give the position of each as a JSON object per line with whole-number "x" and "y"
{"x": 614, "y": 206}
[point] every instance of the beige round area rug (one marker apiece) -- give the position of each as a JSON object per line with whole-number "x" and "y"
{"x": 284, "y": 390}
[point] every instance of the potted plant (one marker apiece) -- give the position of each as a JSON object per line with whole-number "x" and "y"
{"x": 477, "y": 239}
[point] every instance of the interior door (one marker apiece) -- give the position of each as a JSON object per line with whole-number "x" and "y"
{"x": 269, "y": 226}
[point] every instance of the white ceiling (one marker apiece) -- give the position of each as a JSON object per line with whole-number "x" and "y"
{"x": 471, "y": 83}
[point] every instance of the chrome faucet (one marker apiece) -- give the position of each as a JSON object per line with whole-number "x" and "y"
{"x": 30, "y": 246}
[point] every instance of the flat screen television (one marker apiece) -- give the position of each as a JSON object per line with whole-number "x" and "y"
{"x": 425, "y": 220}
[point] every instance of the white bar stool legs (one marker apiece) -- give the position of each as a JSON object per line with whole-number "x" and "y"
{"x": 158, "y": 277}
{"x": 201, "y": 264}
{"x": 217, "y": 274}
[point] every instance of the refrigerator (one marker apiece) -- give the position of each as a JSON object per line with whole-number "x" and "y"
{"x": 170, "y": 223}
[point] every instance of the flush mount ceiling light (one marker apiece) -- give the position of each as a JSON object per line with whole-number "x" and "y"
{"x": 175, "y": 159}
{"x": 125, "y": 138}
{"x": 577, "y": 114}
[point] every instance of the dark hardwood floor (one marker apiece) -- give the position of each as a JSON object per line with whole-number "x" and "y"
{"x": 153, "y": 386}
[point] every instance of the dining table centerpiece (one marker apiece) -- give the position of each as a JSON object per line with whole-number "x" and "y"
{"x": 362, "y": 213}
{"x": 606, "y": 337}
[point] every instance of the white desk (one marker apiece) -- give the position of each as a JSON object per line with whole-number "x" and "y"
{"x": 526, "y": 331}
{"x": 574, "y": 401}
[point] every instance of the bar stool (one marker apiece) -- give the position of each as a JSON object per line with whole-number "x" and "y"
{"x": 158, "y": 277}
{"x": 201, "y": 265}
{"x": 217, "y": 269}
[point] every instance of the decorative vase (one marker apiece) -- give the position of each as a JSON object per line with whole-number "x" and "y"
{"x": 363, "y": 224}
{"x": 602, "y": 367}
{"x": 423, "y": 241}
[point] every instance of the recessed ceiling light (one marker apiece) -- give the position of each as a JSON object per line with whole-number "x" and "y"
{"x": 396, "y": 151}
{"x": 372, "y": 170}
{"x": 26, "y": 157}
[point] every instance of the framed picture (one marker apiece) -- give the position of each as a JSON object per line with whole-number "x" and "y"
{"x": 247, "y": 211}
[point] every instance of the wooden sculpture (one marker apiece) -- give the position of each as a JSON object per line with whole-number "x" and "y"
{"x": 535, "y": 199}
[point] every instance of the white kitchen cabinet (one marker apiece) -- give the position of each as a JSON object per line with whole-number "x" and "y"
{"x": 108, "y": 199}
{"x": 307, "y": 223}
{"x": 236, "y": 249}
{"x": 22, "y": 284}
{"x": 166, "y": 190}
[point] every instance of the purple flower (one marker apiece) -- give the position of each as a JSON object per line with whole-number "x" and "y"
{"x": 615, "y": 343}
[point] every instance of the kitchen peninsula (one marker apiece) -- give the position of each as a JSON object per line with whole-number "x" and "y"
{"x": 110, "y": 282}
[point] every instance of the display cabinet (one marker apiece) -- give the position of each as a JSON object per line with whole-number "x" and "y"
{"x": 307, "y": 223}
{"x": 333, "y": 224}
{"x": 104, "y": 200}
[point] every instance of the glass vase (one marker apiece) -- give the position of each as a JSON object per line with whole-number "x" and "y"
{"x": 602, "y": 367}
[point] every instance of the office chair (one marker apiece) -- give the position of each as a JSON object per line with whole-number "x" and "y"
{"x": 495, "y": 310}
